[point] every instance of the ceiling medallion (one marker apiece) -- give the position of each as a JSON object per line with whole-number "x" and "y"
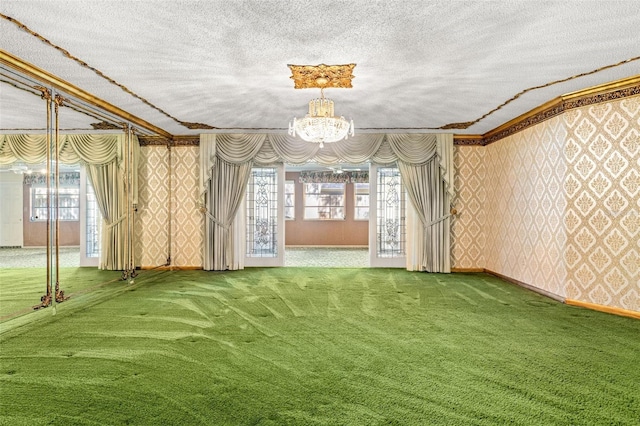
{"x": 337, "y": 76}
{"x": 321, "y": 125}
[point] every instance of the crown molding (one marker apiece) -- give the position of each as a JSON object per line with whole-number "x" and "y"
{"x": 146, "y": 140}
{"x": 618, "y": 89}
{"x": 468, "y": 140}
{"x": 181, "y": 140}
{"x": 186, "y": 140}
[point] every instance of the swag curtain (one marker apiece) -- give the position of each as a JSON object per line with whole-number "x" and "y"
{"x": 225, "y": 165}
{"x": 430, "y": 190}
{"x": 103, "y": 158}
{"x": 425, "y": 162}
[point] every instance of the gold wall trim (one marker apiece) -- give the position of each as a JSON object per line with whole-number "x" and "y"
{"x": 322, "y": 76}
{"x": 47, "y": 78}
{"x": 172, "y": 141}
{"x": 602, "y": 308}
{"x": 468, "y": 140}
{"x": 146, "y": 140}
{"x": 618, "y": 89}
{"x": 467, "y": 124}
{"x": 186, "y": 140}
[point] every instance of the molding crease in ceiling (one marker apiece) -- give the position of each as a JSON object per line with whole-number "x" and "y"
{"x": 192, "y": 67}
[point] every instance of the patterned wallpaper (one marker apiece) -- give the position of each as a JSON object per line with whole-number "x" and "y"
{"x": 525, "y": 236}
{"x": 602, "y": 188}
{"x": 556, "y": 206}
{"x": 468, "y": 237}
{"x": 560, "y": 203}
{"x": 152, "y": 229}
{"x": 188, "y": 222}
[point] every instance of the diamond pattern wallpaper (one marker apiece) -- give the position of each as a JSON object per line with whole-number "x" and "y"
{"x": 152, "y": 227}
{"x": 152, "y": 220}
{"x": 525, "y": 205}
{"x": 602, "y": 187}
{"x": 187, "y": 242}
{"x": 468, "y": 238}
{"x": 557, "y": 205}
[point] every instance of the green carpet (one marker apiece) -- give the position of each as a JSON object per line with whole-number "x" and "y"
{"x": 21, "y": 289}
{"x": 305, "y": 346}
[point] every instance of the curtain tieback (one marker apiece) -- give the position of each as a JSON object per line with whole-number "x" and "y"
{"x": 438, "y": 220}
{"x": 216, "y": 221}
{"x": 112, "y": 224}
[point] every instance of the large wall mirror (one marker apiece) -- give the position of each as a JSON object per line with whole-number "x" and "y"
{"x": 54, "y": 148}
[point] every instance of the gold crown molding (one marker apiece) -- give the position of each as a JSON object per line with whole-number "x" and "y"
{"x": 187, "y": 140}
{"x": 618, "y": 89}
{"x": 531, "y": 118}
{"x": 612, "y": 86}
{"x": 322, "y": 76}
{"x": 467, "y": 124}
{"x": 146, "y": 140}
{"x": 468, "y": 140}
{"x": 47, "y": 78}
{"x": 175, "y": 141}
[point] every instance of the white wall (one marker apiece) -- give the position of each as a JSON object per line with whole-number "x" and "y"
{"x": 10, "y": 209}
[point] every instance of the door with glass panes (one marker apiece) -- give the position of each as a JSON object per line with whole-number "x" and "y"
{"x": 265, "y": 217}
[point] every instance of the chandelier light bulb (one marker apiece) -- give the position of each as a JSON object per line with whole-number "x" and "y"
{"x": 321, "y": 125}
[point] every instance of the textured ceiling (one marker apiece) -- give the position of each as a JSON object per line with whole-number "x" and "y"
{"x": 420, "y": 65}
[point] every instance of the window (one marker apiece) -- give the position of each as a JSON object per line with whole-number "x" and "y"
{"x": 93, "y": 220}
{"x": 361, "y": 204}
{"x": 68, "y": 207}
{"x": 324, "y": 201}
{"x": 289, "y": 200}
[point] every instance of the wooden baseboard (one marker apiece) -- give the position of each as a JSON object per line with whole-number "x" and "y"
{"x": 467, "y": 270}
{"x": 603, "y": 308}
{"x": 170, "y": 268}
{"x": 527, "y": 286}
{"x": 571, "y": 302}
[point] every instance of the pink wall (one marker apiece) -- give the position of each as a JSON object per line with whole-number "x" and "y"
{"x": 348, "y": 232}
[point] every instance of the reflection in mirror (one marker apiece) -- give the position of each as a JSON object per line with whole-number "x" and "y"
{"x": 23, "y": 248}
{"x": 28, "y": 247}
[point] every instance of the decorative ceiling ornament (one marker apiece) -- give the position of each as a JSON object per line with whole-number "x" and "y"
{"x": 321, "y": 125}
{"x": 337, "y": 76}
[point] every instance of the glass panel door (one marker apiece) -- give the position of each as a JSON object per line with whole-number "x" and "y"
{"x": 265, "y": 217}
{"x": 387, "y": 224}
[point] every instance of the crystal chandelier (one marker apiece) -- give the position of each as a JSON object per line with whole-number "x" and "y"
{"x": 320, "y": 125}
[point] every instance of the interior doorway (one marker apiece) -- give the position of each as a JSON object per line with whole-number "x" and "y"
{"x": 327, "y": 215}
